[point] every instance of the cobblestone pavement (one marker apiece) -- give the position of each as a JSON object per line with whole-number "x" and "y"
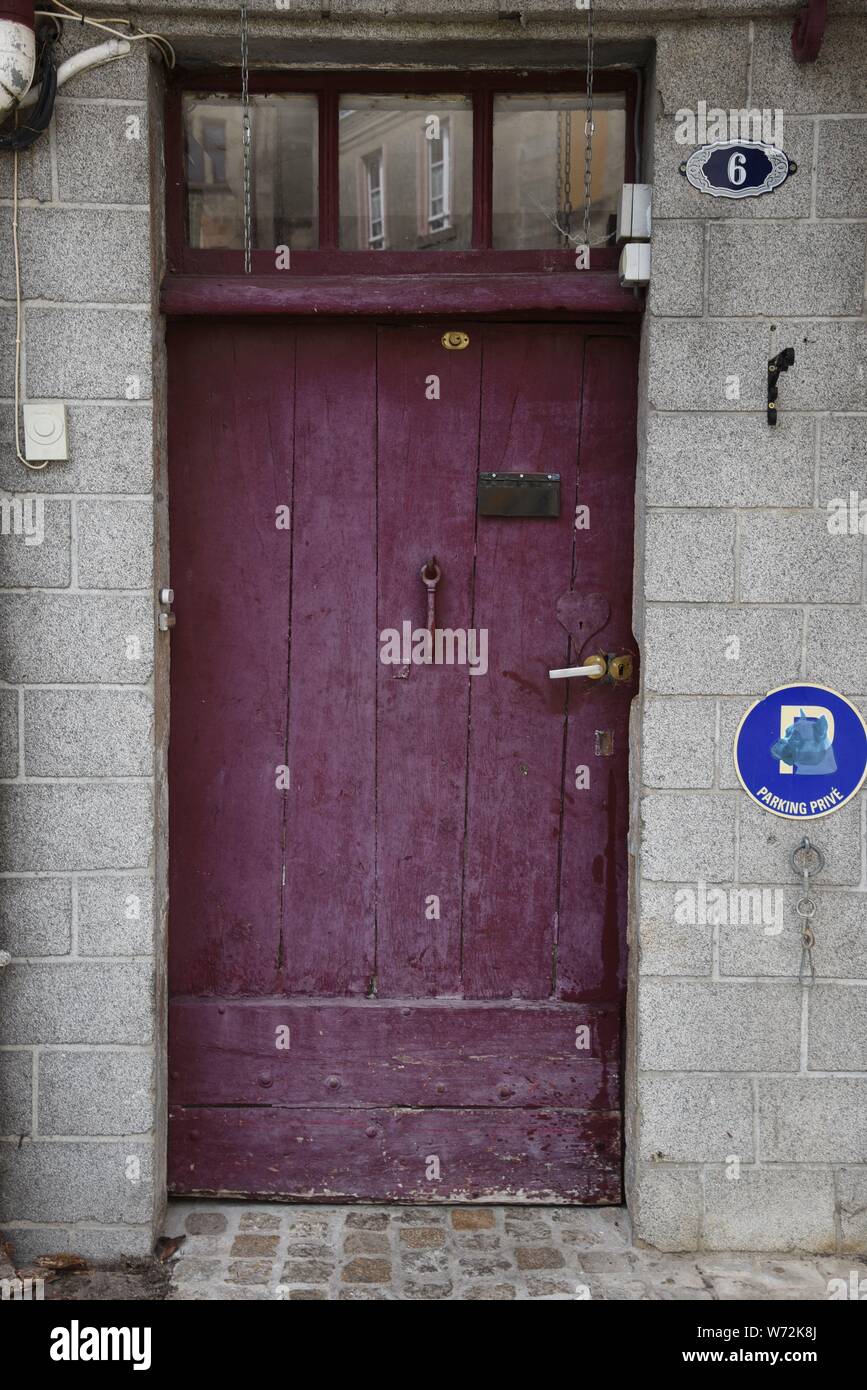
{"x": 239, "y": 1250}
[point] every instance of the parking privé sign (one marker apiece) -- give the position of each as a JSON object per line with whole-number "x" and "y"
{"x": 801, "y": 751}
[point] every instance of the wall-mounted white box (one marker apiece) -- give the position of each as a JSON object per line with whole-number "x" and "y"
{"x": 634, "y": 212}
{"x": 635, "y": 263}
{"x": 45, "y": 431}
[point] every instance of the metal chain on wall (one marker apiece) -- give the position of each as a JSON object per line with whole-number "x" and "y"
{"x": 245, "y": 106}
{"x": 807, "y": 860}
{"x": 588, "y": 127}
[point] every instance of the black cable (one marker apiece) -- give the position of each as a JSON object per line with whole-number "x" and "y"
{"x": 38, "y": 119}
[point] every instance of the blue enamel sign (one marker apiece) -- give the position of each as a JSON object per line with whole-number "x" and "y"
{"x": 737, "y": 169}
{"x": 801, "y": 752}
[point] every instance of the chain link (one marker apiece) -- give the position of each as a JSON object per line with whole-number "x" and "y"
{"x": 560, "y": 194}
{"x": 588, "y": 127}
{"x": 807, "y": 860}
{"x": 245, "y": 104}
{"x": 567, "y": 181}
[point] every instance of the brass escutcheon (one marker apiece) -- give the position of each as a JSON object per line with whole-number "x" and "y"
{"x": 620, "y": 667}
{"x": 455, "y": 340}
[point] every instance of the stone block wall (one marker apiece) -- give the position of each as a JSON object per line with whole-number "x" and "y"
{"x": 78, "y": 1023}
{"x": 749, "y": 1094}
{"x": 728, "y": 1057}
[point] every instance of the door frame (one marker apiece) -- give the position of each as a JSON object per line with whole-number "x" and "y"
{"x": 593, "y": 298}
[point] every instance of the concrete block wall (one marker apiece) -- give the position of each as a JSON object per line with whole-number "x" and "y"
{"x": 78, "y": 1023}
{"x": 729, "y": 1057}
{"x": 749, "y": 1093}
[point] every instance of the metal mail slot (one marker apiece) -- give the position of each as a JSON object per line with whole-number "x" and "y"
{"x": 519, "y": 494}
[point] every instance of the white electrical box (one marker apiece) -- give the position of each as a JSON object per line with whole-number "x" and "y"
{"x": 635, "y": 263}
{"x": 45, "y": 431}
{"x": 633, "y": 217}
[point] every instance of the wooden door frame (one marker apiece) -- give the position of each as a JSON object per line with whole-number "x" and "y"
{"x": 577, "y": 297}
{"x": 507, "y": 286}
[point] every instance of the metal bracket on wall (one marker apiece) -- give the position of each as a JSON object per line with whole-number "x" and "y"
{"x": 781, "y": 363}
{"x": 809, "y": 31}
{"x": 167, "y": 619}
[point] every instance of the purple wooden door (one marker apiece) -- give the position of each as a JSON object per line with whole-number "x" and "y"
{"x": 398, "y": 891}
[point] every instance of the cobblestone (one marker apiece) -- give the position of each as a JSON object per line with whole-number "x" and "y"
{"x": 243, "y": 1251}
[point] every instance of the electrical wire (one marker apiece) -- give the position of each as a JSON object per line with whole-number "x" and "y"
{"x": 36, "y": 124}
{"x": 24, "y": 136}
{"x": 130, "y": 32}
{"x": 35, "y": 467}
{"x": 21, "y": 137}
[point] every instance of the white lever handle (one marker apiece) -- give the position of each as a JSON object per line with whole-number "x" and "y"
{"x": 594, "y": 670}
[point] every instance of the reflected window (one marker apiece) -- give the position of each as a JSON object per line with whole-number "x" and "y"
{"x": 375, "y": 203}
{"x": 539, "y": 148}
{"x": 284, "y": 163}
{"x": 438, "y": 181}
{"x": 413, "y": 157}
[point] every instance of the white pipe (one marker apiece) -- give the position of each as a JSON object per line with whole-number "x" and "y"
{"x": 80, "y": 62}
{"x": 17, "y": 62}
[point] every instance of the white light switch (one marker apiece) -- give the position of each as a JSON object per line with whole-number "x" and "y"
{"x": 45, "y": 430}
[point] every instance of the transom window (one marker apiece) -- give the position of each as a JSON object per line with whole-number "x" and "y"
{"x": 373, "y": 169}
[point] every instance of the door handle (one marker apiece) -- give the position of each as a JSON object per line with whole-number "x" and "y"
{"x": 595, "y": 669}
{"x": 616, "y": 668}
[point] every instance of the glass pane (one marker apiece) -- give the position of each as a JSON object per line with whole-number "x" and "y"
{"x": 284, "y": 171}
{"x": 539, "y": 170}
{"x": 406, "y": 173}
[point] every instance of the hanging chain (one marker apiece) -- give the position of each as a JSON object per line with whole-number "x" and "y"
{"x": 245, "y": 103}
{"x": 588, "y": 127}
{"x": 560, "y": 195}
{"x": 567, "y": 180}
{"x": 807, "y": 860}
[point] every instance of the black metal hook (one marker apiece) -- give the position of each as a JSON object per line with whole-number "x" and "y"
{"x": 781, "y": 363}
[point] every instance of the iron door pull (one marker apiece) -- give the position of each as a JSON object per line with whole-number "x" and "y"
{"x": 431, "y": 575}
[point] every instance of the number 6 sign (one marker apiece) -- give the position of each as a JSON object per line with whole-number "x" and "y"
{"x": 737, "y": 168}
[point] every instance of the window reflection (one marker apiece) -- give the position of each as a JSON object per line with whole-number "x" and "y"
{"x": 406, "y": 173}
{"x": 539, "y": 170}
{"x": 284, "y": 171}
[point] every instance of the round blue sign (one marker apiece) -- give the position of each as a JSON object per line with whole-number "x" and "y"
{"x": 801, "y": 752}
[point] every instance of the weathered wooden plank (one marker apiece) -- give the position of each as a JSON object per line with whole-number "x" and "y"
{"x": 398, "y": 1155}
{"x": 328, "y": 903}
{"x": 230, "y": 443}
{"x": 531, "y": 395}
{"x": 591, "y": 294}
{"x": 591, "y": 950}
{"x": 428, "y": 443}
{"x": 373, "y": 1053}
